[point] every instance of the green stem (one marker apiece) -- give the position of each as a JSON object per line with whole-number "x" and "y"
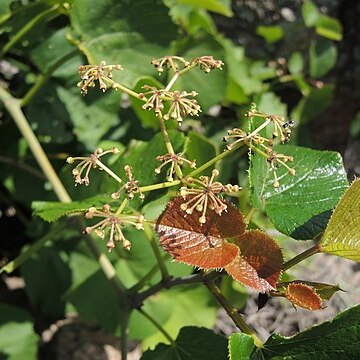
{"x": 121, "y": 207}
{"x": 124, "y": 89}
{"x": 13, "y": 107}
{"x": 14, "y": 264}
{"x": 26, "y": 28}
{"x": 158, "y": 326}
{"x": 211, "y": 162}
{"x": 163, "y": 185}
{"x": 109, "y": 171}
{"x": 233, "y": 313}
{"x": 150, "y": 236}
{"x": 298, "y": 258}
{"x": 44, "y": 77}
{"x": 250, "y": 214}
{"x": 147, "y": 277}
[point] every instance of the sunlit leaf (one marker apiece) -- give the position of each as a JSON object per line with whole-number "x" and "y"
{"x": 259, "y": 263}
{"x": 329, "y": 27}
{"x": 342, "y": 234}
{"x": 216, "y": 6}
{"x": 202, "y": 245}
{"x": 271, "y": 34}
{"x": 310, "y": 13}
{"x": 323, "y": 54}
{"x": 240, "y": 346}
{"x": 304, "y": 296}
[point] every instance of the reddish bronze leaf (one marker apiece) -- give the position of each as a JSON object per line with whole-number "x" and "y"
{"x": 304, "y": 296}
{"x": 261, "y": 261}
{"x": 202, "y": 245}
{"x": 243, "y": 272}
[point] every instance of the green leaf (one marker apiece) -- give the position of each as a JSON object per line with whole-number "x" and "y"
{"x": 335, "y": 339}
{"x": 175, "y": 314}
{"x": 93, "y": 116}
{"x": 323, "y": 55}
{"x": 127, "y": 34}
{"x": 329, "y": 28}
{"x": 216, "y": 6}
{"x": 342, "y": 234}
{"x": 53, "y": 210}
{"x": 18, "y": 341}
{"x": 104, "y": 307}
{"x": 201, "y": 149}
{"x": 47, "y": 277}
{"x": 192, "y": 343}
{"x": 296, "y": 63}
{"x": 313, "y": 104}
{"x": 5, "y": 9}
{"x": 301, "y": 206}
{"x": 310, "y": 13}
{"x": 271, "y": 34}
{"x": 240, "y": 346}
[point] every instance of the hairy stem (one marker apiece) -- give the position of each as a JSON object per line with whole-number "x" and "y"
{"x": 27, "y": 27}
{"x": 41, "y": 80}
{"x": 298, "y": 258}
{"x": 233, "y": 313}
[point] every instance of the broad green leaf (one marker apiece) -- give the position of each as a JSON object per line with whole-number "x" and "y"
{"x": 18, "y": 340}
{"x": 342, "y": 234}
{"x": 271, "y": 34}
{"x": 93, "y": 116}
{"x": 260, "y": 70}
{"x": 53, "y": 210}
{"x": 129, "y": 34}
{"x": 301, "y": 206}
{"x": 103, "y": 307}
{"x": 335, "y": 339}
{"x": 5, "y": 9}
{"x": 296, "y": 63}
{"x": 316, "y": 101}
{"x": 47, "y": 277}
{"x": 216, "y": 6}
{"x": 310, "y": 13}
{"x": 323, "y": 55}
{"x": 201, "y": 149}
{"x": 240, "y": 346}
{"x": 329, "y": 27}
{"x": 269, "y": 103}
{"x": 192, "y": 343}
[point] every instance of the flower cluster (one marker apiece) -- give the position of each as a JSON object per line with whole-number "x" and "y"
{"x": 205, "y": 195}
{"x": 82, "y": 170}
{"x": 112, "y": 224}
{"x": 101, "y": 73}
{"x": 207, "y": 63}
{"x": 169, "y": 62}
{"x": 131, "y": 187}
{"x": 174, "y": 160}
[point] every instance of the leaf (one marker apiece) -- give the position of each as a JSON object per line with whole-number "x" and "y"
{"x": 173, "y": 315}
{"x": 216, "y": 6}
{"x": 53, "y": 210}
{"x": 259, "y": 263}
{"x": 271, "y": 34}
{"x": 310, "y": 13}
{"x": 201, "y": 149}
{"x": 296, "y": 63}
{"x": 301, "y": 206}
{"x": 191, "y": 343}
{"x": 342, "y": 234}
{"x": 303, "y": 295}
{"x": 193, "y": 243}
{"x": 129, "y": 34}
{"x": 323, "y": 54}
{"x": 97, "y": 111}
{"x": 240, "y": 346}
{"x": 329, "y": 27}
{"x": 325, "y": 291}
{"x": 47, "y": 277}
{"x": 335, "y": 339}
{"x": 18, "y": 340}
